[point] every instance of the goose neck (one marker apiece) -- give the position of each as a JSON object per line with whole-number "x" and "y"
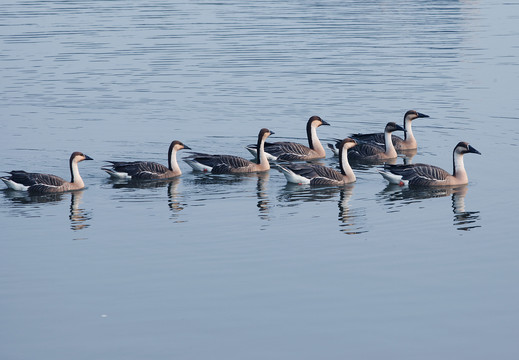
{"x": 172, "y": 160}
{"x": 75, "y": 177}
{"x": 344, "y": 164}
{"x": 390, "y": 149}
{"x": 408, "y": 133}
{"x": 313, "y": 140}
{"x": 459, "y": 171}
{"x": 261, "y": 157}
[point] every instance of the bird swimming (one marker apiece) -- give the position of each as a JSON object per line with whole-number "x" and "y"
{"x": 407, "y": 143}
{"x": 292, "y": 151}
{"x": 38, "y": 183}
{"x": 368, "y": 152}
{"x": 319, "y": 175}
{"x": 230, "y": 164}
{"x": 429, "y": 175}
{"x": 147, "y": 170}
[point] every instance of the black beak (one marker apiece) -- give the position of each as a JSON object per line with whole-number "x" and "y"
{"x": 272, "y": 132}
{"x": 398, "y": 127}
{"x": 472, "y": 150}
{"x": 187, "y": 147}
{"x": 88, "y": 157}
{"x": 421, "y": 115}
{"x": 324, "y": 122}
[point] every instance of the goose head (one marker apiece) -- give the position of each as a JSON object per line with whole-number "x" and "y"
{"x": 392, "y": 126}
{"x": 347, "y": 143}
{"x": 264, "y": 134}
{"x": 316, "y": 121}
{"x": 79, "y": 156}
{"x": 413, "y": 114}
{"x": 464, "y": 148}
{"x": 177, "y": 145}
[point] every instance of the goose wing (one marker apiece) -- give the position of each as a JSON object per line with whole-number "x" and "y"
{"x": 375, "y": 139}
{"x": 364, "y": 150}
{"x": 221, "y": 164}
{"x": 140, "y": 169}
{"x": 228, "y": 163}
{"x": 30, "y": 179}
{"x": 286, "y": 150}
{"x": 317, "y": 173}
{"x": 420, "y": 174}
{"x": 39, "y": 189}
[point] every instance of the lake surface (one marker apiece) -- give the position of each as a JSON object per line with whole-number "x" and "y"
{"x": 248, "y": 267}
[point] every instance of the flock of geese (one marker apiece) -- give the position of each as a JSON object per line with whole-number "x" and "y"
{"x": 358, "y": 147}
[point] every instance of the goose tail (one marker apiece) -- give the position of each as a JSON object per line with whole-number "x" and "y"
{"x": 393, "y": 178}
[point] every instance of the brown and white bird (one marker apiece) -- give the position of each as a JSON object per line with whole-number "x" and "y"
{"x": 368, "y": 152}
{"x": 147, "y": 170}
{"x": 318, "y": 175}
{"x": 429, "y": 175}
{"x": 292, "y": 151}
{"x": 407, "y": 143}
{"x": 230, "y": 164}
{"x": 37, "y": 183}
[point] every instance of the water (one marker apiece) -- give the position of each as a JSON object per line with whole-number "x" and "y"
{"x": 249, "y": 267}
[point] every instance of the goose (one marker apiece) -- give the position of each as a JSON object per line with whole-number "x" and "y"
{"x": 147, "y": 170}
{"x": 407, "y": 143}
{"x": 429, "y": 175}
{"x": 318, "y": 175}
{"x": 365, "y": 151}
{"x": 230, "y": 164}
{"x": 291, "y": 151}
{"x": 36, "y": 183}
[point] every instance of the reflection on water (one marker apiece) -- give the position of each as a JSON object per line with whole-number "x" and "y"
{"x": 79, "y": 217}
{"x": 202, "y": 178}
{"x": 294, "y": 194}
{"x": 349, "y": 219}
{"x": 395, "y": 197}
{"x": 23, "y": 197}
{"x": 463, "y": 220}
{"x": 136, "y": 184}
{"x": 407, "y": 155}
{"x": 262, "y": 194}
{"x": 176, "y": 201}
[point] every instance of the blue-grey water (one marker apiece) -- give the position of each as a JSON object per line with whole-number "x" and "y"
{"x": 223, "y": 267}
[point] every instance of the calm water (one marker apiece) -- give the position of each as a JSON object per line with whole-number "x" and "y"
{"x": 223, "y": 267}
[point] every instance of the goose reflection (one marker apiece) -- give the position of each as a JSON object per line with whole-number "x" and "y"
{"x": 222, "y": 179}
{"x": 294, "y": 194}
{"x": 407, "y": 155}
{"x": 175, "y": 199}
{"x": 78, "y": 216}
{"x": 261, "y": 193}
{"x": 463, "y": 220}
{"x": 348, "y": 217}
{"x": 138, "y": 184}
{"x": 396, "y": 196}
{"x": 18, "y": 197}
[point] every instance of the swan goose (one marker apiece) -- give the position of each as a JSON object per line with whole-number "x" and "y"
{"x": 38, "y": 184}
